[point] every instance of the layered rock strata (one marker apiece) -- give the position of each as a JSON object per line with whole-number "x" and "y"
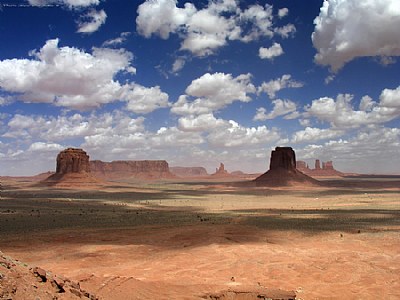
{"x": 72, "y": 169}
{"x": 282, "y": 171}
{"x": 188, "y": 171}
{"x": 142, "y": 169}
{"x": 326, "y": 170}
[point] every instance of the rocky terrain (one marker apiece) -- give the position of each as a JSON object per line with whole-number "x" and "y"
{"x": 188, "y": 171}
{"x": 72, "y": 169}
{"x": 282, "y": 170}
{"x": 20, "y": 281}
{"x": 143, "y": 169}
{"x": 221, "y": 172}
{"x": 327, "y": 169}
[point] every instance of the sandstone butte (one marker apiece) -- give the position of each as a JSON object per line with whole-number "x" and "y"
{"x": 72, "y": 169}
{"x": 327, "y": 169}
{"x": 282, "y": 170}
{"x": 221, "y": 172}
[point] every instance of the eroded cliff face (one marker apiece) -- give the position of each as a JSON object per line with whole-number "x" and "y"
{"x": 143, "y": 169}
{"x": 72, "y": 170}
{"x": 282, "y": 170}
{"x": 283, "y": 158}
{"x": 326, "y": 170}
{"x": 72, "y": 160}
{"x": 189, "y": 171}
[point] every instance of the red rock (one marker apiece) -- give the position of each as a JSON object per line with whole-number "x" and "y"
{"x": 144, "y": 169}
{"x": 317, "y": 165}
{"x": 40, "y": 273}
{"x": 326, "y": 170}
{"x": 283, "y": 158}
{"x": 327, "y": 165}
{"x": 72, "y": 160}
{"x": 189, "y": 171}
{"x": 221, "y": 170}
{"x": 282, "y": 171}
{"x": 72, "y": 169}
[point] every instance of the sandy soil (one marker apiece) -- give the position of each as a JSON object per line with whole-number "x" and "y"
{"x": 190, "y": 240}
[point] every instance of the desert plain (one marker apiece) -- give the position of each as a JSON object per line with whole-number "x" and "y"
{"x": 208, "y": 239}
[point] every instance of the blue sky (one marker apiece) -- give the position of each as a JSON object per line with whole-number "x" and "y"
{"x": 200, "y": 82}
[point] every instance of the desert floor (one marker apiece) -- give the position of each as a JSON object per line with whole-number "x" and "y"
{"x": 187, "y": 240}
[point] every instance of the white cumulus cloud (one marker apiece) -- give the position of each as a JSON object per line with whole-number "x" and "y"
{"x": 310, "y": 134}
{"x": 92, "y": 21}
{"x": 233, "y": 134}
{"x": 347, "y": 29}
{"x": 340, "y": 113}
{"x": 70, "y": 77}
{"x": 281, "y": 108}
{"x": 67, "y": 3}
{"x": 273, "y": 86}
{"x": 269, "y": 53}
{"x": 212, "y": 92}
{"x": 205, "y": 30}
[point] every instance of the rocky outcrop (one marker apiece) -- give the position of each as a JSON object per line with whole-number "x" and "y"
{"x": 283, "y": 158}
{"x": 327, "y": 169}
{"x": 327, "y": 165}
{"x": 72, "y": 160}
{"x": 221, "y": 170}
{"x": 282, "y": 171}
{"x": 301, "y": 165}
{"x": 188, "y": 171}
{"x": 72, "y": 169}
{"x": 142, "y": 169}
{"x": 20, "y": 281}
{"x": 317, "y": 164}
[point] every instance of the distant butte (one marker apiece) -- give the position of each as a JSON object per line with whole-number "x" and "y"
{"x": 189, "y": 171}
{"x": 72, "y": 169}
{"x": 326, "y": 170}
{"x": 221, "y": 172}
{"x": 282, "y": 170}
{"x": 137, "y": 169}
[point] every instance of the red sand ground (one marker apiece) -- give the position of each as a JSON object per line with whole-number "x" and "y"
{"x": 320, "y": 243}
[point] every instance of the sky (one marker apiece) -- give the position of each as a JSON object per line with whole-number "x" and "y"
{"x": 200, "y": 82}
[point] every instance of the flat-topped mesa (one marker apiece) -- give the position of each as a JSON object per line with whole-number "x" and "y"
{"x": 143, "y": 169}
{"x": 189, "y": 171}
{"x": 283, "y": 158}
{"x": 282, "y": 171}
{"x": 72, "y": 160}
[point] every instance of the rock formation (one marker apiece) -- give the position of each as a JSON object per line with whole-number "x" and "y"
{"x": 72, "y": 160}
{"x": 188, "y": 171}
{"x": 301, "y": 165}
{"x": 282, "y": 171}
{"x": 142, "y": 169}
{"x": 326, "y": 170}
{"x": 221, "y": 172}
{"x": 72, "y": 169}
{"x": 221, "y": 169}
{"x": 317, "y": 164}
{"x": 20, "y": 281}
